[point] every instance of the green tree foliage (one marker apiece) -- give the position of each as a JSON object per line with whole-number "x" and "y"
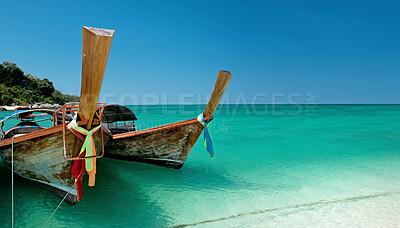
{"x": 22, "y": 89}
{"x": 11, "y": 75}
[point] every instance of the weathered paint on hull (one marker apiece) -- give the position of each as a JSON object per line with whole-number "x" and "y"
{"x": 167, "y": 145}
{"x": 41, "y": 159}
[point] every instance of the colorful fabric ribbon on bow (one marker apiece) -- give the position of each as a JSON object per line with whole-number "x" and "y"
{"x": 208, "y": 144}
{"x": 84, "y": 165}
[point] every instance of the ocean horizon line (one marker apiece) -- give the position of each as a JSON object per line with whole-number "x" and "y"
{"x": 259, "y": 104}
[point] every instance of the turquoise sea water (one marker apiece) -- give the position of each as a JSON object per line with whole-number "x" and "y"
{"x": 274, "y": 166}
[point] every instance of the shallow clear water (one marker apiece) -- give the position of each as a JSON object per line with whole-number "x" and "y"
{"x": 325, "y": 165}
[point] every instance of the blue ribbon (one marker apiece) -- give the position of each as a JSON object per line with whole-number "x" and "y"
{"x": 208, "y": 144}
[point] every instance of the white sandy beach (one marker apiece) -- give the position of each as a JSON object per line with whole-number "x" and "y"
{"x": 9, "y": 108}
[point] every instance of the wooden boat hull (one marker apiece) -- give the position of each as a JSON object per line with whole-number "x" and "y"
{"x": 39, "y": 156}
{"x": 167, "y": 145}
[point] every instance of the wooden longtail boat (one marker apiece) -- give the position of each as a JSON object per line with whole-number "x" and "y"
{"x": 46, "y": 155}
{"x": 168, "y": 145}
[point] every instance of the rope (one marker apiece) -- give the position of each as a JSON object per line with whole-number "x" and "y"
{"x": 298, "y": 206}
{"x": 12, "y": 189}
{"x": 51, "y": 216}
{"x": 12, "y": 182}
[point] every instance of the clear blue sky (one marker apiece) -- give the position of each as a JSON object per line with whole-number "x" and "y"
{"x": 341, "y": 51}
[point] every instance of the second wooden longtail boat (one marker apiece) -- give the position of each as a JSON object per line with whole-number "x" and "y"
{"x": 168, "y": 145}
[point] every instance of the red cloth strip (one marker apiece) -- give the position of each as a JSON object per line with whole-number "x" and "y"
{"x": 78, "y": 169}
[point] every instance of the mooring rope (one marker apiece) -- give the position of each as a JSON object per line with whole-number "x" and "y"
{"x": 12, "y": 190}
{"x": 12, "y": 182}
{"x": 321, "y": 202}
{"x": 51, "y": 216}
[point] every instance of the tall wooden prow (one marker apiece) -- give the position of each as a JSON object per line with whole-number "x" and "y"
{"x": 220, "y": 86}
{"x": 96, "y": 45}
{"x": 219, "y": 89}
